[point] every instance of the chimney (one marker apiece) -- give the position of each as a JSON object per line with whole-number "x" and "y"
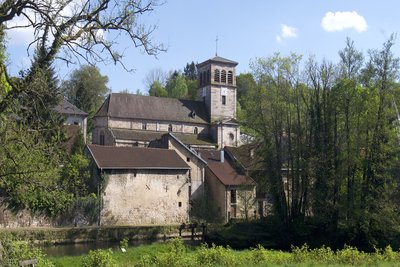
{"x": 222, "y": 156}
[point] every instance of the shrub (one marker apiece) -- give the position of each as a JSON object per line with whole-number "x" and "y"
{"x": 123, "y": 243}
{"x": 13, "y": 250}
{"x": 98, "y": 258}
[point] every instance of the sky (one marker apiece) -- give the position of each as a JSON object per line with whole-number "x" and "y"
{"x": 246, "y": 30}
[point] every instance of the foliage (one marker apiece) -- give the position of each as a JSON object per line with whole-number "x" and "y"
{"x": 176, "y": 86}
{"x": 13, "y": 251}
{"x": 329, "y": 142}
{"x": 156, "y": 89}
{"x": 175, "y": 253}
{"x": 123, "y": 243}
{"x": 98, "y": 258}
{"x": 86, "y": 88}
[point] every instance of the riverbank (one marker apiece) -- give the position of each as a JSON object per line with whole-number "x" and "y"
{"x": 175, "y": 253}
{"x": 75, "y": 235}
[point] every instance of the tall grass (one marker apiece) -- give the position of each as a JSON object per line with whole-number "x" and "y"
{"x": 175, "y": 253}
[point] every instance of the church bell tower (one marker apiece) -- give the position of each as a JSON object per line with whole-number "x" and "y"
{"x": 217, "y": 87}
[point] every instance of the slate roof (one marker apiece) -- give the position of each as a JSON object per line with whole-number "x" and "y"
{"x": 218, "y": 59}
{"x": 65, "y": 107}
{"x": 129, "y": 106}
{"x": 146, "y": 135}
{"x": 224, "y": 170}
{"x": 247, "y": 156}
{"x": 110, "y": 157}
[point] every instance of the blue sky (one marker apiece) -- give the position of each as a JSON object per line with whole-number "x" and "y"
{"x": 246, "y": 30}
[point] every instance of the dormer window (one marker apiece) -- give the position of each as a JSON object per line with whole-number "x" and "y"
{"x": 192, "y": 114}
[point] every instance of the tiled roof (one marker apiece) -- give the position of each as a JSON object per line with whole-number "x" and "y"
{"x": 246, "y": 156}
{"x": 145, "y": 135}
{"x": 66, "y": 107}
{"x": 110, "y": 157}
{"x": 218, "y": 59}
{"x": 224, "y": 170}
{"x": 131, "y": 106}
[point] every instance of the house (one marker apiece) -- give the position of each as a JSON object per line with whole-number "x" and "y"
{"x": 192, "y": 130}
{"x": 73, "y": 116}
{"x": 233, "y": 192}
{"x": 141, "y": 185}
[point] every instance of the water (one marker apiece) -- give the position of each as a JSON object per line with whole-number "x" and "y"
{"x": 83, "y": 248}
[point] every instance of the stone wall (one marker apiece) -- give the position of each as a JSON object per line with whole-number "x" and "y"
{"x": 216, "y": 190}
{"x": 196, "y": 168}
{"x": 228, "y": 135}
{"x": 145, "y": 197}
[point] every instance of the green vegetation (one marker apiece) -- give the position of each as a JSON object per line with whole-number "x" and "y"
{"x": 175, "y": 253}
{"x": 327, "y": 136}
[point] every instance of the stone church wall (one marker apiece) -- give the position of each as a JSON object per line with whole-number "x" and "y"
{"x": 145, "y": 197}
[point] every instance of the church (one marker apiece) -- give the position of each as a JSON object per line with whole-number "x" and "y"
{"x": 162, "y": 155}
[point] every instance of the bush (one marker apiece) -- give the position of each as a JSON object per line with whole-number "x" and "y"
{"x": 13, "y": 250}
{"x": 98, "y": 258}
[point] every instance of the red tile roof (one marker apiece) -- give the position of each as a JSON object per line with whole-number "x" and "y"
{"x": 224, "y": 171}
{"x": 109, "y": 157}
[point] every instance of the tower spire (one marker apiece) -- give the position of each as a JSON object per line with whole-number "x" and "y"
{"x": 216, "y": 46}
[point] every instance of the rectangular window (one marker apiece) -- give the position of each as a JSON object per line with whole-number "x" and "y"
{"x": 179, "y": 204}
{"x": 233, "y": 196}
{"x": 190, "y": 191}
{"x": 187, "y": 159}
{"x": 223, "y": 100}
{"x": 102, "y": 139}
{"x": 144, "y": 126}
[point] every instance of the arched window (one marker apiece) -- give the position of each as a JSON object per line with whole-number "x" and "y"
{"x": 196, "y": 130}
{"x": 223, "y": 76}
{"x": 101, "y": 138}
{"x": 208, "y": 77}
{"x": 231, "y": 136}
{"x": 230, "y": 77}
{"x": 216, "y": 76}
{"x": 201, "y": 79}
{"x": 170, "y": 128}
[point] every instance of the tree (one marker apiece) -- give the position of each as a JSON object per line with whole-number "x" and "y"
{"x": 70, "y": 31}
{"x": 74, "y": 30}
{"x": 176, "y": 86}
{"x": 86, "y": 89}
{"x": 157, "y": 89}
{"x": 190, "y": 71}
{"x": 155, "y": 75}
{"x": 244, "y": 83}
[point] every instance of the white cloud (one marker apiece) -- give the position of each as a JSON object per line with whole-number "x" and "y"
{"x": 340, "y": 21}
{"x": 286, "y": 32}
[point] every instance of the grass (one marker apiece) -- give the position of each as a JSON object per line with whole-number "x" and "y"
{"x": 175, "y": 253}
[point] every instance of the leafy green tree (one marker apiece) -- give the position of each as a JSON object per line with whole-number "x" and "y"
{"x": 244, "y": 83}
{"x": 86, "y": 89}
{"x": 176, "y": 86}
{"x": 157, "y": 89}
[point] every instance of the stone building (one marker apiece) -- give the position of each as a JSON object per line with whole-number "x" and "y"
{"x": 185, "y": 126}
{"x": 141, "y": 185}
